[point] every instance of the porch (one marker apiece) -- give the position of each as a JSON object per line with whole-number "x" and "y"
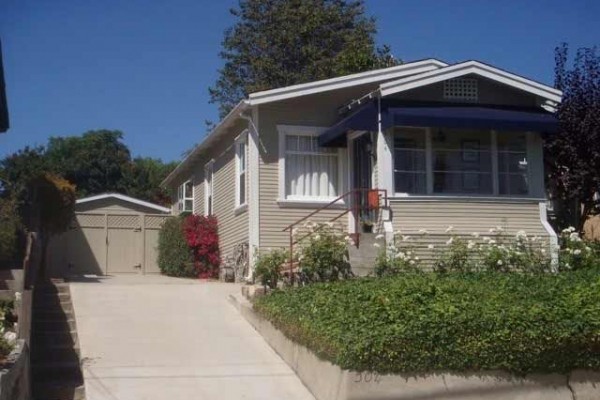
{"x": 468, "y": 166}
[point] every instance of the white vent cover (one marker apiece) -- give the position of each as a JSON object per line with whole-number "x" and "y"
{"x": 464, "y": 89}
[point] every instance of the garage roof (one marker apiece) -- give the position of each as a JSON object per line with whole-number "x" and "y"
{"x": 123, "y": 198}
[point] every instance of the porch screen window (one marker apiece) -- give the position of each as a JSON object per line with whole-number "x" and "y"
{"x": 208, "y": 184}
{"x": 310, "y": 171}
{"x": 462, "y": 162}
{"x": 185, "y": 196}
{"x": 410, "y": 174}
{"x": 512, "y": 164}
{"x": 240, "y": 154}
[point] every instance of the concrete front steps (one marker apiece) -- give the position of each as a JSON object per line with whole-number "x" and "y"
{"x": 55, "y": 357}
{"x": 362, "y": 257}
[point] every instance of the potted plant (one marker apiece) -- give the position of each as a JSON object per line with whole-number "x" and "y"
{"x": 367, "y": 225}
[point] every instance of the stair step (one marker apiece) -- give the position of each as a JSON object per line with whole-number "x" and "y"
{"x": 56, "y": 354}
{"x": 43, "y": 372}
{"x": 49, "y": 289}
{"x": 53, "y": 325}
{"x": 55, "y": 338}
{"x": 59, "y": 391}
{"x": 53, "y": 314}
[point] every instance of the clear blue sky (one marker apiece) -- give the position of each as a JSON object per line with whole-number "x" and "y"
{"x": 144, "y": 67}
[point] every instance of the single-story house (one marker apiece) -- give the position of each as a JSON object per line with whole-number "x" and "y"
{"x": 111, "y": 234}
{"x": 440, "y": 144}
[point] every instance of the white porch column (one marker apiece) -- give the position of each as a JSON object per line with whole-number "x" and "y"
{"x": 385, "y": 172}
{"x": 385, "y": 162}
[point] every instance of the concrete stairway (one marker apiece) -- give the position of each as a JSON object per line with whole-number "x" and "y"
{"x": 362, "y": 258}
{"x": 55, "y": 363}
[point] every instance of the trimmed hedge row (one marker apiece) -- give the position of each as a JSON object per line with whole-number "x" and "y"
{"x": 424, "y": 322}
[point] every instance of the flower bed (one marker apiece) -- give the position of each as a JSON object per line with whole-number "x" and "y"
{"x": 425, "y": 322}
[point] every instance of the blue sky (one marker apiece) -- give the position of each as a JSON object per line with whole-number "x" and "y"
{"x": 144, "y": 67}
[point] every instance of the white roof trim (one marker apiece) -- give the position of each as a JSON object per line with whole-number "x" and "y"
{"x": 124, "y": 198}
{"x": 417, "y": 67}
{"x": 233, "y": 115}
{"x": 472, "y": 67}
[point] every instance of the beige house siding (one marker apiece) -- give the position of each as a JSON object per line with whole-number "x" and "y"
{"x": 319, "y": 111}
{"x": 466, "y": 216}
{"x": 233, "y": 227}
{"x": 233, "y": 224}
{"x": 199, "y": 194}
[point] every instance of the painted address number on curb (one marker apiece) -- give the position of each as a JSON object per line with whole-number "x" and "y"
{"x": 367, "y": 377}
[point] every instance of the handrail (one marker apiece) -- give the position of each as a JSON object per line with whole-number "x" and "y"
{"x": 355, "y": 206}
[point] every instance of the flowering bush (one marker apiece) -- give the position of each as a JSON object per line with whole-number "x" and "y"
{"x": 457, "y": 257}
{"x": 324, "y": 256}
{"x": 576, "y": 253}
{"x": 399, "y": 256}
{"x": 268, "y": 267}
{"x": 201, "y": 235}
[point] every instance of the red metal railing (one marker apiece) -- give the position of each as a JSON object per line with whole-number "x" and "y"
{"x": 359, "y": 201}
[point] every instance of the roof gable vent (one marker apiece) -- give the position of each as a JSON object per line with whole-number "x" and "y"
{"x": 464, "y": 89}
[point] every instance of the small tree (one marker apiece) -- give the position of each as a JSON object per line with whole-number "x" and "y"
{"x": 53, "y": 202}
{"x": 573, "y": 155}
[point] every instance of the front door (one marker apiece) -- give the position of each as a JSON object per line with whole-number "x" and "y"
{"x": 362, "y": 179}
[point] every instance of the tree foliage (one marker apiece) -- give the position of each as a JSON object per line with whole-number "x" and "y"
{"x": 143, "y": 178}
{"x": 278, "y": 43}
{"x": 574, "y": 153}
{"x": 95, "y": 162}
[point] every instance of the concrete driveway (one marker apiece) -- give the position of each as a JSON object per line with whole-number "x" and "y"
{"x": 153, "y": 337}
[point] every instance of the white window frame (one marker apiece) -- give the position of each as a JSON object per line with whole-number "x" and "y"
{"x": 301, "y": 130}
{"x": 241, "y": 144}
{"x": 209, "y": 188}
{"x": 494, "y": 170}
{"x": 182, "y": 198}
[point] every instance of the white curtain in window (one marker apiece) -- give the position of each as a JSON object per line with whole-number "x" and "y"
{"x": 311, "y": 171}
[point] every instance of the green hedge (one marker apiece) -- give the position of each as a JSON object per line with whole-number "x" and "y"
{"x": 174, "y": 255}
{"x": 424, "y": 322}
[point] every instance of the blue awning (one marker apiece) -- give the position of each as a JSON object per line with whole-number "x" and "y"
{"x": 441, "y": 116}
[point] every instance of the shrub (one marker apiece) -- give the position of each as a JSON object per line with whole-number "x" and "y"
{"x": 7, "y": 327}
{"x": 9, "y": 225}
{"x": 268, "y": 267}
{"x": 324, "y": 257}
{"x": 174, "y": 256}
{"x": 576, "y": 253}
{"x": 202, "y": 237}
{"x": 397, "y": 258}
{"x": 421, "y": 323}
{"x": 458, "y": 257}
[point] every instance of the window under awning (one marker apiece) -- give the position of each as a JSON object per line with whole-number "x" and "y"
{"x": 443, "y": 115}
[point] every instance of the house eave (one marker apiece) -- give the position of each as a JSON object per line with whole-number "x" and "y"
{"x": 304, "y": 89}
{"x": 215, "y": 134}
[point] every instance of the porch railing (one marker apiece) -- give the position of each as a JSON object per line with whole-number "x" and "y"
{"x": 360, "y": 202}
